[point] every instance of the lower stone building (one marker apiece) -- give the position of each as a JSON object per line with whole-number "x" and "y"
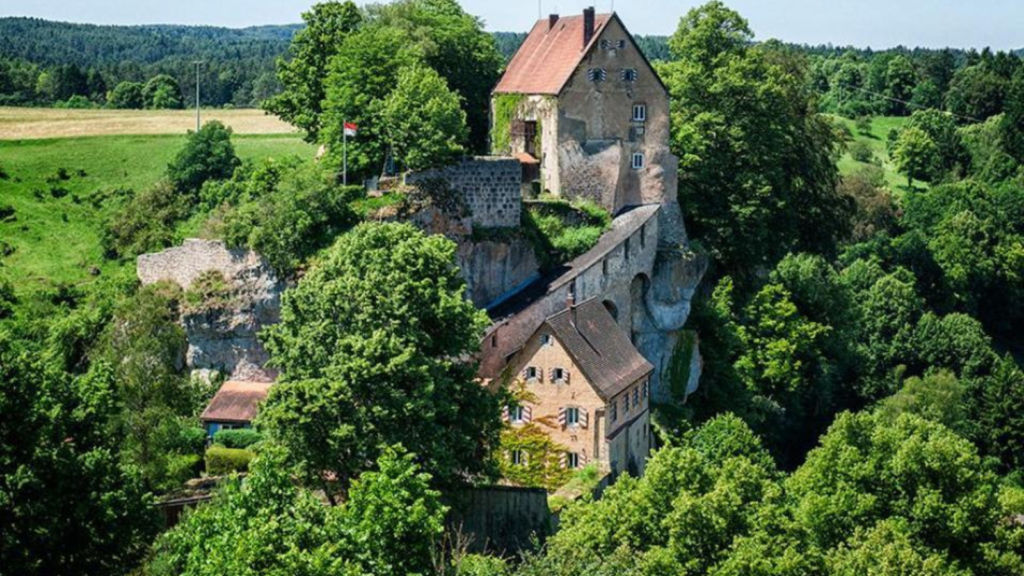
{"x": 579, "y": 379}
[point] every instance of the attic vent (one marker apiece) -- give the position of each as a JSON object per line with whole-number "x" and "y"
{"x": 597, "y": 75}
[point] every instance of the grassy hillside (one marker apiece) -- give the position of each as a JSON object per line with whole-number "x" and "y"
{"x": 876, "y": 141}
{"x": 57, "y": 239}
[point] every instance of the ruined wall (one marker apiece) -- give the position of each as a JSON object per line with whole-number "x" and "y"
{"x": 222, "y": 338}
{"x": 490, "y": 186}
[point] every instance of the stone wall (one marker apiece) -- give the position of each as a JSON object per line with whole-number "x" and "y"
{"x": 222, "y": 338}
{"x": 490, "y": 186}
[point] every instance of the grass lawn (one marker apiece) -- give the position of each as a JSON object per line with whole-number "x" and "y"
{"x": 57, "y": 240}
{"x": 880, "y": 127}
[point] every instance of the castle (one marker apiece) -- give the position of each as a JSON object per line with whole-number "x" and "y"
{"x": 580, "y": 113}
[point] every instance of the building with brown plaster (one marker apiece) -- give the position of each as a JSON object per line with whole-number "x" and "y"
{"x": 581, "y": 381}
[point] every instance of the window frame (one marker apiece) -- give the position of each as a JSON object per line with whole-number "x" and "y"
{"x": 513, "y": 411}
{"x": 558, "y": 375}
{"x": 572, "y": 460}
{"x": 532, "y": 373}
{"x": 642, "y": 109}
{"x": 638, "y": 161}
{"x": 629, "y": 75}
{"x": 572, "y": 416}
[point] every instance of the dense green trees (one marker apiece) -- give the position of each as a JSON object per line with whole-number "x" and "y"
{"x": 423, "y": 121}
{"x": 751, "y": 148}
{"x": 371, "y": 348}
{"x": 68, "y": 503}
{"x": 127, "y": 95}
{"x": 312, "y": 48}
{"x": 267, "y": 525}
{"x": 161, "y": 92}
{"x": 207, "y": 155}
{"x": 356, "y": 75}
{"x": 878, "y": 497}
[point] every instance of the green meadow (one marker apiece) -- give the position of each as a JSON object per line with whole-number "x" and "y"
{"x": 62, "y": 191}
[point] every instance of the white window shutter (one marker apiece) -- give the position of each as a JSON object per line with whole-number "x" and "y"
{"x": 527, "y": 414}
{"x": 526, "y": 373}
{"x": 565, "y": 376}
{"x": 561, "y": 417}
{"x": 584, "y": 418}
{"x": 563, "y": 459}
{"x": 504, "y": 414}
{"x": 551, "y": 375}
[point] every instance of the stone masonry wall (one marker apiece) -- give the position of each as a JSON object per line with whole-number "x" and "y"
{"x": 490, "y": 186}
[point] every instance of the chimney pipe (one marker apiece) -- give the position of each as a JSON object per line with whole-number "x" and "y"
{"x": 588, "y": 26}
{"x": 552, "y": 20}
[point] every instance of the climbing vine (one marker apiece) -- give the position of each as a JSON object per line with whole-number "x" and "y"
{"x": 505, "y": 108}
{"x": 542, "y": 467}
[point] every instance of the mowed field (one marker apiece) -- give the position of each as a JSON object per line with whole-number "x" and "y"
{"x": 876, "y": 141}
{"x": 34, "y": 123}
{"x": 53, "y": 239}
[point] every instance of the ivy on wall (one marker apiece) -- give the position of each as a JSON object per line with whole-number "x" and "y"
{"x": 542, "y": 467}
{"x": 505, "y": 108}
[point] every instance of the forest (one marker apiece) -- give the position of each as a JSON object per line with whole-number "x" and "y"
{"x": 861, "y": 407}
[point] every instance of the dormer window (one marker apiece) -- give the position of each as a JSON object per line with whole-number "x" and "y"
{"x": 639, "y": 112}
{"x": 596, "y": 75}
{"x": 629, "y": 75}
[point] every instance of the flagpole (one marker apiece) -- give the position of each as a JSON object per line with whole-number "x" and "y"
{"x": 344, "y": 152}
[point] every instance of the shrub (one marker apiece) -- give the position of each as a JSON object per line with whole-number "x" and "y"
{"x": 127, "y": 95}
{"x": 221, "y": 461}
{"x": 208, "y": 291}
{"x": 862, "y": 152}
{"x": 207, "y": 155}
{"x": 6, "y": 212}
{"x": 145, "y": 223}
{"x": 239, "y": 439}
{"x": 3, "y": 173}
{"x": 863, "y": 124}
{"x": 304, "y": 213}
{"x": 7, "y": 299}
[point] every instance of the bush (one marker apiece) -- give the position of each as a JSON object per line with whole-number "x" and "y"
{"x": 862, "y": 152}
{"x": 303, "y": 213}
{"x": 221, "y": 461}
{"x": 7, "y": 299}
{"x": 127, "y": 95}
{"x": 863, "y": 124}
{"x": 146, "y": 223}
{"x": 239, "y": 439}
{"x": 208, "y": 155}
{"x": 6, "y": 212}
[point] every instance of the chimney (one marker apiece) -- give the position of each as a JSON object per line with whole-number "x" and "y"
{"x": 588, "y": 26}
{"x": 552, "y": 20}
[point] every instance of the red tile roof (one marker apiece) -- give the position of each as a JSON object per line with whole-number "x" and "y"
{"x": 600, "y": 347}
{"x": 549, "y": 56}
{"x": 236, "y": 402}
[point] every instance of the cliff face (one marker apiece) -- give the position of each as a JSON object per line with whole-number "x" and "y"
{"x": 222, "y": 336}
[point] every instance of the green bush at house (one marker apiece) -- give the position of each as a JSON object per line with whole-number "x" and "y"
{"x": 241, "y": 438}
{"x": 221, "y": 461}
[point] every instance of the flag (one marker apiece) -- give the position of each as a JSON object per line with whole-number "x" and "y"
{"x": 350, "y": 129}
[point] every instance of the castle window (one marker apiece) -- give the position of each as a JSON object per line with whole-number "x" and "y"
{"x": 572, "y": 460}
{"x": 559, "y": 376}
{"x": 532, "y": 373}
{"x": 639, "y": 112}
{"x": 625, "y": 403}
{"x": 638, "y": 161}
{"x": 606, "y": 44}
{"x": 646, "y": 384}
{"x": 629, "y": 75}
{"x": 572, "y": 416}
{"x": 518, "y": 458}
{"x": 615, "y": 411}
{"x": 643, "y": 236}
{"x": 515, "y": 414}
{"x": 620, "y": 44}
{"x": 604, "y": 266}
{"x": 636, "y": 397}
{"x": 597, "y": 75}
{"x": 545, "y": 340}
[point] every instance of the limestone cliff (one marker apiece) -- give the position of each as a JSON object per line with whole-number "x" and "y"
{"x": 222, "y": 334}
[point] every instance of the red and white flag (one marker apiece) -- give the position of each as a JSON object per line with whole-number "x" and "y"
{"x": 351, "y": 129}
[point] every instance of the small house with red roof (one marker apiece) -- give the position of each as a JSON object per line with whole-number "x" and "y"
{"x": 581, "y": 100}
{"x": 234, "y": 406}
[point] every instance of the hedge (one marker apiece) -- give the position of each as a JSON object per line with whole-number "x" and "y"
{"x": 238, "y": 438}
{"x": 221, "y": 461}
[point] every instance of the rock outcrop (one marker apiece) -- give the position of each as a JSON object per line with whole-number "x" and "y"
{"x": 222, "y": 336}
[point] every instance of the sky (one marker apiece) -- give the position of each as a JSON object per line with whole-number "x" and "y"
{"x": 874, "y": 23}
